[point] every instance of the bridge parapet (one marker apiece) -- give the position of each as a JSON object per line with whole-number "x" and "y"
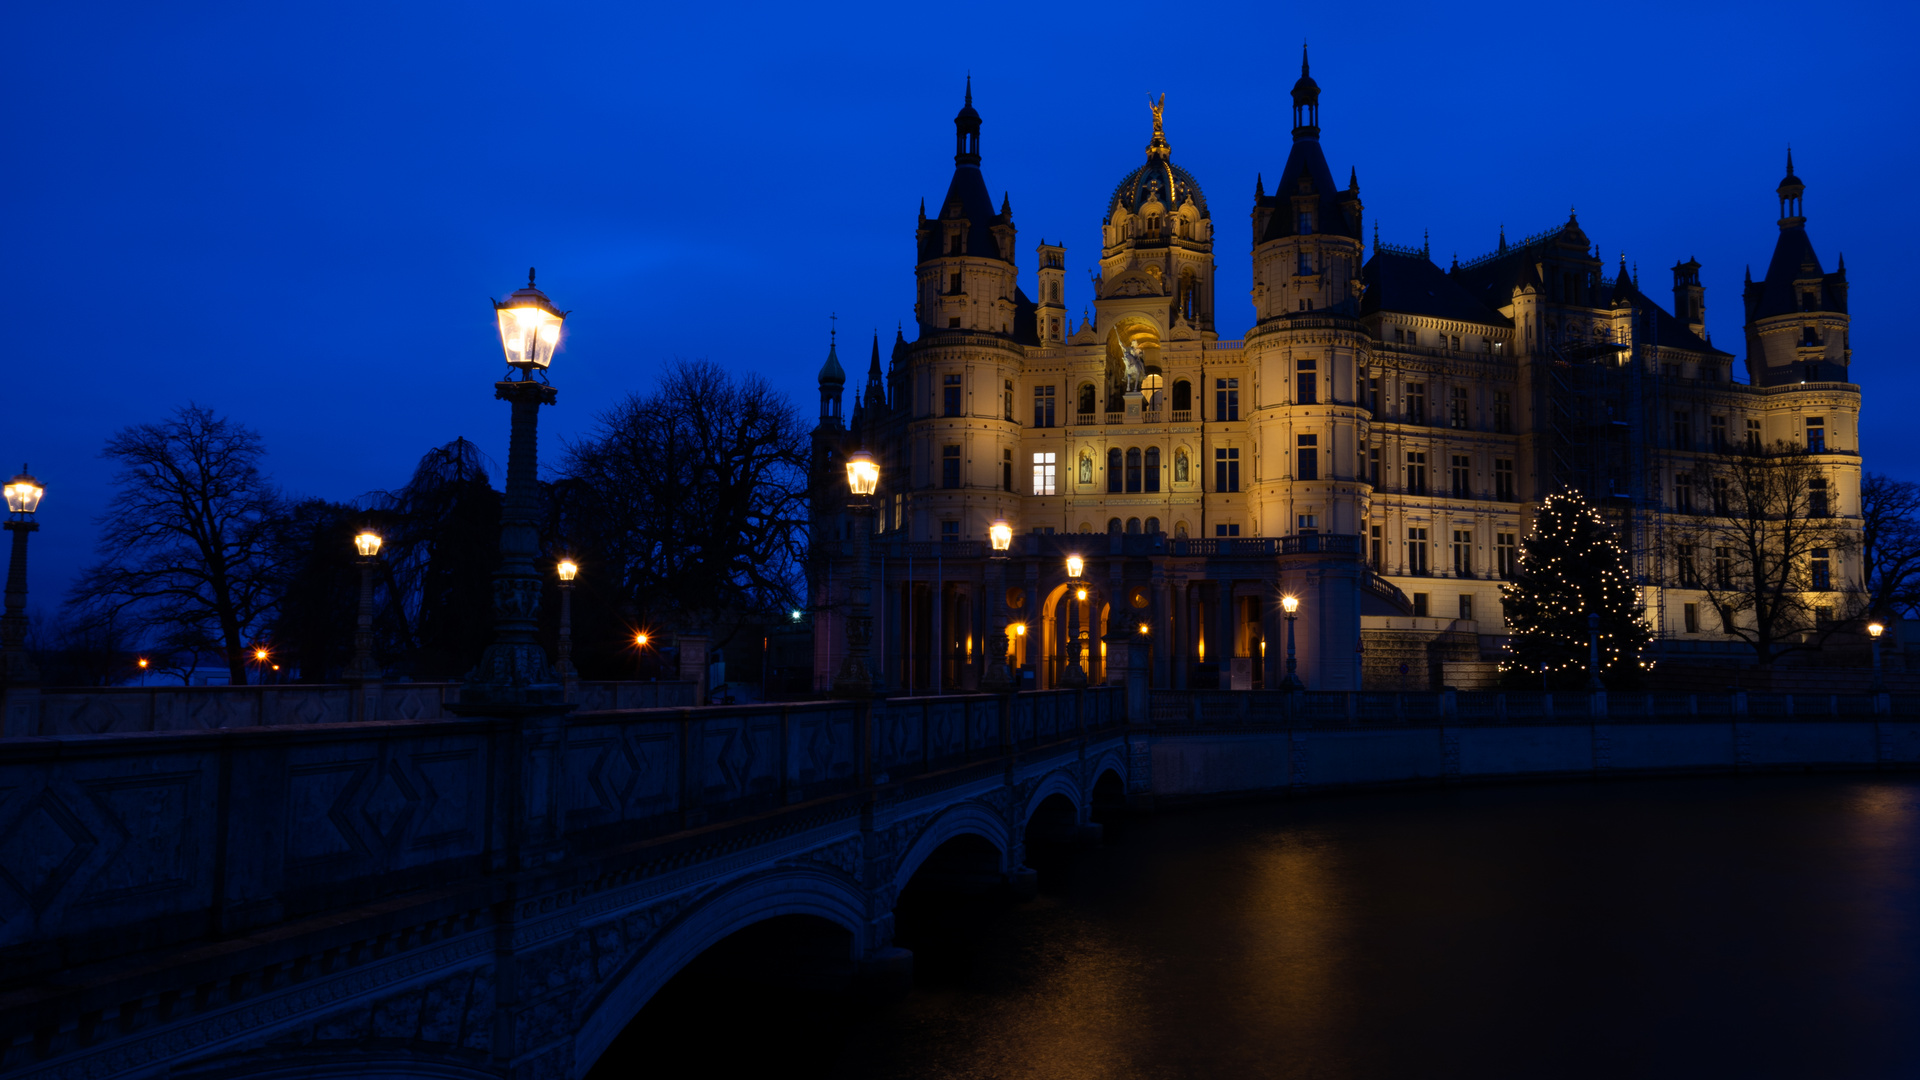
{"x": 105, "y": 710}
{"x": 195, "y": 881}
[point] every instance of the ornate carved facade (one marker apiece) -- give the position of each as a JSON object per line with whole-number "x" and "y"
{"x": 1374, "y": 443}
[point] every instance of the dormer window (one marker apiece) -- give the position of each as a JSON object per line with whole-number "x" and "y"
{"x": 1306, "y": 223}
{"x": 956, "y": 244}
{"x": 1306, "y": 263}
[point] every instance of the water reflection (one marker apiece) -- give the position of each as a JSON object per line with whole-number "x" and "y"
{"x": 1750, "y": 927}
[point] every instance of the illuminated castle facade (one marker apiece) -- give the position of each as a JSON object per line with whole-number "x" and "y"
{"x": 1373, "y": 445}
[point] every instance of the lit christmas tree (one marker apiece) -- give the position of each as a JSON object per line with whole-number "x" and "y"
{"x": 1571, "y": 566}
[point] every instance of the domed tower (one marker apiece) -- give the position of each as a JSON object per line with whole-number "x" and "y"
{"x": 1797, "y": 315}
{"x": 960, "y": 375}
{"x": 1156, "y": 259}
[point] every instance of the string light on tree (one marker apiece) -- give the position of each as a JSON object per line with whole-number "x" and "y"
{"x": 1571, "y": 566}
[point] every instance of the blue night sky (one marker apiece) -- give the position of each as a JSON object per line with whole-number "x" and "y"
{"x": 296, "y": 215}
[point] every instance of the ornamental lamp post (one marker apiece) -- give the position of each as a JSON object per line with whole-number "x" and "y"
{"x": 1291, "y": 605}
{"x": 1874, "y": 630}
{"x": 863, "y": 479}
{"x": 1074, "y": 675}
{"x": 362, "y": 668}
{"x": 513, "y": 673}
{"x": 1593, "y": 653}
{"x": 23, "y": 494}
{"x": 566, "y": 570}
{"x": 998, "y": 680}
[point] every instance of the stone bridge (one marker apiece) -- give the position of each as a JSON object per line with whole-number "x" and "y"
{"x": 480, "y": 897}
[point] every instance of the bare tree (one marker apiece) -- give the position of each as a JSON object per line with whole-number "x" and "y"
{"x": 188, "y": 544}
{"x": 692, "y": 501}
{"x": 1768, "y": 554}
{"x": 1890, "y": 543}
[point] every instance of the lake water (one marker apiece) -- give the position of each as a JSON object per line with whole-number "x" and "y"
{"x": 1750, "y": 927}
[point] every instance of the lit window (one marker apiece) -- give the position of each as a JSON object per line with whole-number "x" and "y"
{"x": 1043, "y": 473}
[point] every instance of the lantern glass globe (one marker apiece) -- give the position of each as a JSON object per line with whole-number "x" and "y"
{"x": 1001, "y": 534}
{"x": 529, "y": 327}
{"x": 863, "y": 473}
{"x": 23, "y": 493}
{"x": 1876, "y": 628}
{"x": 1290, "y": 603}
{"x": 367, "y": 544}
{"x": 1075, "y": 564}
{"x": 567, "y": 569}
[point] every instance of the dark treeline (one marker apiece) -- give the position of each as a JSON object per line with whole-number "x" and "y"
{"x": 685, "y": 509}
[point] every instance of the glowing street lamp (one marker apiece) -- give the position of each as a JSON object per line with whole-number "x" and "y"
{"x": 863, "y": 474}
{"x": 363, "y": 669}
{"x": 1074, "y": 675}
{"x": 1874, "y": 630}
{"x": 566, "y": 570}
{"x": 640, "y": 639}
{"x": 23, "y": 494}
{"x": 863, "y": 479}
{"x": 998, "y": 680}
{"x": 513, "y": 672}
{"x": 1290, "y": 605}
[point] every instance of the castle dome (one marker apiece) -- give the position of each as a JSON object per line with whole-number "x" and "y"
{"x": 1160, "y": 179}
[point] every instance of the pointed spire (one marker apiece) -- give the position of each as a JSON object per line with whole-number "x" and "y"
{"x": 966, "y": 131}
{"x": 1789, "y": 159}
{"x": 1503, "y": 238}
{"x": 1426, "y": 243}
{"x": 1006, "y": 205}
{"x": 1376, "y": 234}
{"x": 1353, "y": 178}
{"x": 1259, "y": 186}
{"x": 1456, "y": 263}
{"x": 1306, "y": 102}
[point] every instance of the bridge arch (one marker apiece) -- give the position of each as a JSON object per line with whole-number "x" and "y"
{"x": 786, "y": 891}
{"x": 970, "y": 818}
{"x": 1058, "y": 782}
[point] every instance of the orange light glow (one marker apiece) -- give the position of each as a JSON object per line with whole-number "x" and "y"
{"x": 143, "y": 663}
{"x": 640, "y": 639}
{"x": 260, "y": 655}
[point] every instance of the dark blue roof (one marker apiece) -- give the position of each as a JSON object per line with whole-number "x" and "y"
{"x": 1413, "y": 285}
{"x": 1307, "y": 161}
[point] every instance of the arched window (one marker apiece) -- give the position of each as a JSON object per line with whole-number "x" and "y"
{"x": 1180, "y": 466}
{"x": 1179, "y": 530}
{"x": 1153, "y": 526}
{"x": 1115, "y": 475}
{"x": 1113, "y": 525}
{"x": 1153, "y": 468}
{"x": 1182, "y": 395}
{"x": 1086, "y": 398}
{"x": 1133, "y": 469}
{"x": 1133, "y": 526}
{"x": 1086, "y": 526}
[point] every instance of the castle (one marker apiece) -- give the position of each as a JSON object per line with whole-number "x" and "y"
{"x": 1373, "y": 446}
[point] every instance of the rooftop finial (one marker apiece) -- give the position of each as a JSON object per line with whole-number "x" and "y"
{"x": 1158, "y": 147}
{"x": 1303, "y": 57}
{"x": 1789, "y": 159}
{"x": 530, "y": 269}
{"x": 833, "y": 329}
{"x": 969, "y": 88}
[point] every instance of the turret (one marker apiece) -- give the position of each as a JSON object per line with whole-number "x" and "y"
{"x": 1051, "y": 310}
{"x": 833, "y": 382}
{"x": 1307, "y": 250}
{"x": 1689, "y": 296}
{"x": 1797, "y": 322}
{"x": 966, "y": 263}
